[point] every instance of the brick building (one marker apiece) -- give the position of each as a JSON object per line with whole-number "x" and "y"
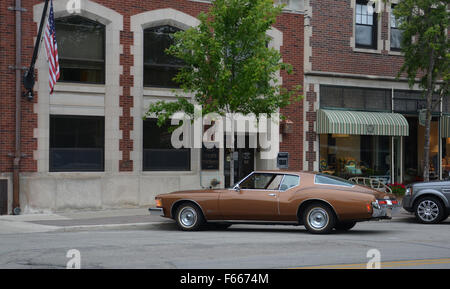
{"x": 359, "y": 120}
{"x": 86, "y": 145}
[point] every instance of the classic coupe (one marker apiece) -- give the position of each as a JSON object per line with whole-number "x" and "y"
{"x": 318, "y": 201}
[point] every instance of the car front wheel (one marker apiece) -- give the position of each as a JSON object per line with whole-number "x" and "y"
{"x": 319, "y": 219}
{"x": 429, "y": 210}
{"x": 189, "y": 217}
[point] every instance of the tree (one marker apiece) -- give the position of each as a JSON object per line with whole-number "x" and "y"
{"x": 426, "y": 52}
{"x": 229, "y": 66}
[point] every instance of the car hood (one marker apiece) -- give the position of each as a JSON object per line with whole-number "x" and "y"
{"x": 200, "y": 191}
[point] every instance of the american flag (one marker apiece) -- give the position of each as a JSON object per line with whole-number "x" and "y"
{"x": 52, "y": 49}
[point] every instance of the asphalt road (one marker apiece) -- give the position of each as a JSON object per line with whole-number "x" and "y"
{"x": 401, "y": 243}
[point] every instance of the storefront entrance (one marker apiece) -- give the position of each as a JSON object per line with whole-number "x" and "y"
{"x": 414, "y": 151}
{"x": 244, "y": 164}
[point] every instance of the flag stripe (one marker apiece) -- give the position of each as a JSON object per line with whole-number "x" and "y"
{"x": 51, "y": 49}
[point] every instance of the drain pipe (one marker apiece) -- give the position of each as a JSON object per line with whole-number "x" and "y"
{"x": 17, "y": 155}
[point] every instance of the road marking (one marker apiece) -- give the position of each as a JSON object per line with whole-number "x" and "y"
{"x": 387, "y": 264}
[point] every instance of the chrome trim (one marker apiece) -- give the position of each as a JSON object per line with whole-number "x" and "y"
{"x": 156, "y": 211}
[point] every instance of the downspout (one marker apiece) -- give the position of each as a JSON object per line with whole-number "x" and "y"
{"x": 17, "y": 155}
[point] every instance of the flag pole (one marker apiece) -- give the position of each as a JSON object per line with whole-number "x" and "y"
{"x": 29, "y": 78}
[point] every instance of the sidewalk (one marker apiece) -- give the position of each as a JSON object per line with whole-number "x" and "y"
{"x": 139, "y": 218}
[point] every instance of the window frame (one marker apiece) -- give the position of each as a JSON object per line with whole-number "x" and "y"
{"x": 374, "y": 26}
{"x": 60, "y": 80}
{"x": 85, "y": 117}
{"x": 391, "y": 28}
{"x": 350, "y": 185}
{"x": 158, "y": 65}
{"x": 268, "y": 173}
{"x": 163, "y": 169}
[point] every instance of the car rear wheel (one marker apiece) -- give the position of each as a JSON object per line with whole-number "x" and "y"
{"x": 344, "y": 226}
{"x": 429, "y": 210}
{"x": 319, "y": 218}
{"x": 189, "y": 217}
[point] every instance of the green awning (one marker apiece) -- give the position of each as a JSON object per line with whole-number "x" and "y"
{"x": 445, "y": 126}
{"x": 361, "y": 123}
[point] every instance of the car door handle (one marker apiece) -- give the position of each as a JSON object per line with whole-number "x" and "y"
{"x": 272, "y": 194}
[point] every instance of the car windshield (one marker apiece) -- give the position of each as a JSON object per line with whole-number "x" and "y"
{"x": 332, "y": 180}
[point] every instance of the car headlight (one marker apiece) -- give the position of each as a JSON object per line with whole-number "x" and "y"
{"x": 408, "y": 191}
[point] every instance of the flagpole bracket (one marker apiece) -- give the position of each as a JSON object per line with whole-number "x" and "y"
{"x": 21, "y": 9}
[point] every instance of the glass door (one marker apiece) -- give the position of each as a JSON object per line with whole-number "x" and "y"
{"x": 397, "y": 159}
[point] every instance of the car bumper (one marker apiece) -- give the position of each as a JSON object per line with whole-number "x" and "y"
{"x": 407, "y": 203}
{"x": 384, "y": 211}
{"x": 156, "y": 211}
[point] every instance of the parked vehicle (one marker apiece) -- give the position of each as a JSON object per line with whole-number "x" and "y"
{"x": 319, "y": 202}
{"x": 429, "y": 201}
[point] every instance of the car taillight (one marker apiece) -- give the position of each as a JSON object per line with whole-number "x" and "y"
{"x": 158, "y": 203}
{"x": 394, "y": 202}
{"x": 382, "y": 202}
{"x": 369, "y": 208}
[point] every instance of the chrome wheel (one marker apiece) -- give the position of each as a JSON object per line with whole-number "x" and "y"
{"x": 318, "y": 218}
{"x": 428, "y": 211}
{"x": 188, "y": 217}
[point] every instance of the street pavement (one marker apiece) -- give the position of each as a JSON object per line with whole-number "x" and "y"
{"x": 131, "y": 238}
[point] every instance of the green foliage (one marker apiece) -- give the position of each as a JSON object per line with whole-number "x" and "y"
{"x": 425, "y": 42}
{"x": 229, "y": 66}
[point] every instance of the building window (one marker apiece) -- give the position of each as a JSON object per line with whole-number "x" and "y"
{"x": 356, "y": 98}
{"x": 159, "y": 154}
{"x": 348, "y": 156}
{"x": 159, "y": 67}
{"x": 365, "y": 27}
{"x": 81, "y": 49}
{"x": 77, "y": 143}
{"x": 293, "y": 5}
{"x": 396, "y": 33}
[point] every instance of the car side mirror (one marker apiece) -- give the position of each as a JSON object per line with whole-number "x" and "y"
{"x": 237, "y": 188}
{"x": 283, "y": 187}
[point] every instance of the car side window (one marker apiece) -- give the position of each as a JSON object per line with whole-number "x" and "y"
{"x": 332, "y": 180}
{"x": 289, "y": 181}
{"x": 262, "y": 181}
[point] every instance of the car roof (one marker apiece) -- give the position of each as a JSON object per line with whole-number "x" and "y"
{"x": 286, "y": 172}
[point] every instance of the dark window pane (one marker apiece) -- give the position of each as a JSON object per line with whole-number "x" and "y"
{"x": 76, "y": 143}
{"x": 396, "y": 38}
{"x": 76, "y": 159}
{"x": 81, "y": 49}
{"x": 364, "y": 35}
{"x": 159, "y": 154}
{"x": 159, "y": 67}
{"x": 358, "y": 98}
{"x": 160, "y": 76}
{"x": 365, "y": 26}
{"x": 167, "y": 159}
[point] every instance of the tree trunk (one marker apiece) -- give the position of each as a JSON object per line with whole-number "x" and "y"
{"x": 426, "y": 154}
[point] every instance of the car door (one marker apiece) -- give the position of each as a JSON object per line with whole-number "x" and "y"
{"x": 255, "y": 198}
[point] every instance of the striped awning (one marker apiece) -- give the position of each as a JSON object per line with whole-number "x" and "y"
{"x": 361, "y": 123}
{"x": 445, "y": 126}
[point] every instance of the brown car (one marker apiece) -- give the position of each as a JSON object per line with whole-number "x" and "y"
{"x": 319, "y": 202}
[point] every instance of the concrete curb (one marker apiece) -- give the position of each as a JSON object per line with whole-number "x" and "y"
{"x": 106, "y": 227}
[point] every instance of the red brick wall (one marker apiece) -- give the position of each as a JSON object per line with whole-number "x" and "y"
{"x": 292, "y": 51}
{"x": 332, "y": 24}
{"x": 290, "y": 24}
